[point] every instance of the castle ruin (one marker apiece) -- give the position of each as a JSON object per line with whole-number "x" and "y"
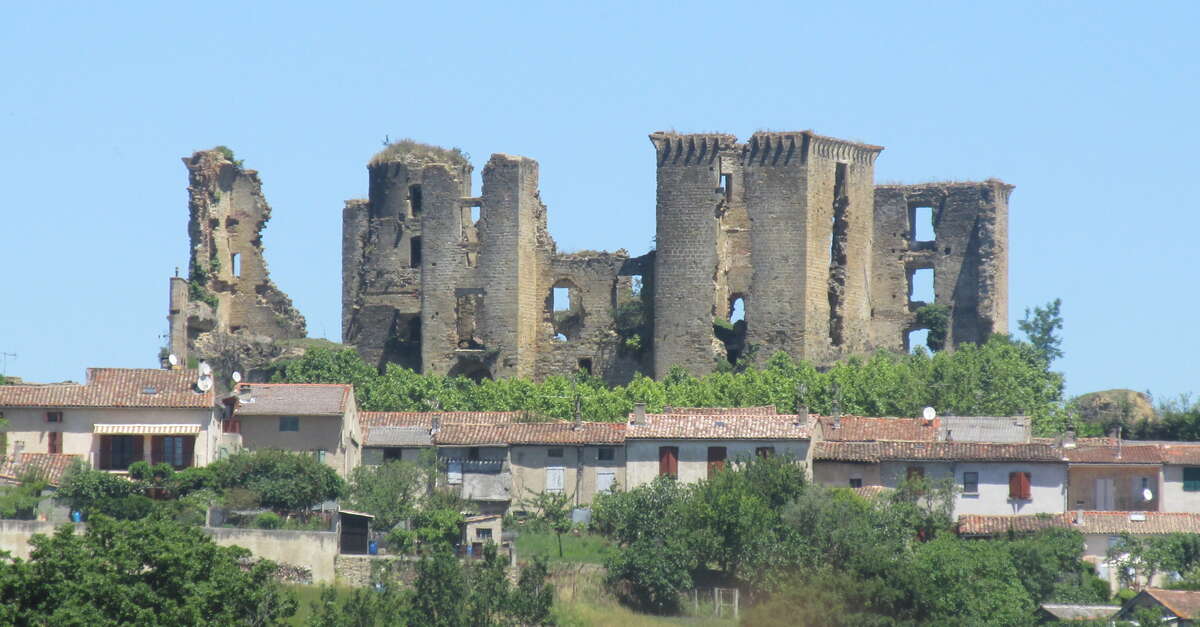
{"x": 788, "y": 228}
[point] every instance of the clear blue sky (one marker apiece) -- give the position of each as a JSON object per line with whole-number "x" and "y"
{"x": 1088, "y": 108}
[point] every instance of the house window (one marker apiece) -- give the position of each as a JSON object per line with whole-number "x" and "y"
{"x": 54, "y": 443}
{"x": 483, "y": 533}
{"x": 233, "y": 425}
{"x": 716, "y": 460}
{"x": 605, "y": 480}
{"x": 856, "y": 482}
{"x": 1191, "y": 479}
{"x": 764, "y": 451}
{"x": 1019, "y": 486}
{"x": 606, "y": 453}
{"x": 668, "y": 461}
{"x": 175, "y": 450}
{"x": 289, "y": 423}
{"x": 970, "y": 483}
{"x": 117, "y": 452}
{"x": 555, "y": 453}
{"x": 914, "y": 472}
{"x": 54, "y": 416}
{"x": 414, "y": 252}
{"x": 554, "y": 479}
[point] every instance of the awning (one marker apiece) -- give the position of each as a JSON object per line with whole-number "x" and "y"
{"x": 192, "y": 429}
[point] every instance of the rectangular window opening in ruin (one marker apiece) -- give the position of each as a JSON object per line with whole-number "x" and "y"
{"x": 922, "y": 224}
{"x": 414, "y": 200}
{"x": 562, "y": 299}
{"x": 414, "y": 252}
{"x": 235, "y": 263}
{"x": 920, "y": 286}
{"x": 919, "y": 337}
{"x": 465, "y": 311}
{"x": 585, "y": 364}
{"x": 475, "y": 209}
{"x": 737, "y": 311}
{"x": 727, "y": 186}
{"x": 635, "y": 284}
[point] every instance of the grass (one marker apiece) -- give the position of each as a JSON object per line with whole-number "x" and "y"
{"x": 581, "y": 600}
{"x": 305, "y": 595}
{"x": 310, "y": 343}
{"x": 585, "y": 548}
{"x": 406, "y": 149}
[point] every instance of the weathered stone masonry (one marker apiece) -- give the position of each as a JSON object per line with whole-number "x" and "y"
{"x": 788, "y": 227}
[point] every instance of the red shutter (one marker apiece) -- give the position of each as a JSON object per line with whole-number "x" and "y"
{"x": 189, "y": 450}
{"x": 105, "y": 451}
{"x": 156, "y": 449}
{"x": 54, "y": 442}
{"x": 1014, "y": 485}
{"x": 1026, "y": 488}
{"x": 668, "y": 461}
{"x": 716, "y": 459}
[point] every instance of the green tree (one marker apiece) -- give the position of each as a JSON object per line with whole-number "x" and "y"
{"x": 143, "y": 572}
{"x": 281, "y": 480}
{"x": 964, "y": 582}
{"x": 553, "y": 510}
{"x": 439, "y": 591}
{"x": 1042, "y": 326}
{"x": 390, "y": 492}
{"x": 87, "y": 490}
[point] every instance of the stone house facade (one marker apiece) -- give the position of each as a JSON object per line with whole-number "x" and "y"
{"x": 319, "y": 419}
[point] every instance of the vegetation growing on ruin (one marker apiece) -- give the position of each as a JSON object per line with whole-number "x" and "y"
{"x": 936, "y": 318}
{"x": 228, "y": 154}
{"x": 198, "y": 278}
{"x": 1000, "y": 378}
{"x": 412, "y": 150}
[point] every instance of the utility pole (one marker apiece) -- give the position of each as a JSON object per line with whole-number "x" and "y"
{"x": 4, "y": 362}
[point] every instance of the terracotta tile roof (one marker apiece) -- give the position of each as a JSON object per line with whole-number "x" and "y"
{"x": 762, "y": 410}
{"x": 470, "y": 435}
{"x": 1127, "y": 452}
{"x": 1181, "y": 453}
{"x": 1183, "y": 603}
{"x": 52, "y": 467}
{"x": 720, "y": 427}
{"x": 1089, "y": 522}
{"x": 293, "y": 399}
{"x": 862, "y": 429}
{"x": 114, "y": 387}
{"x": 529, "y": 433}
{"x": 872, "y": 491}
{"x": 425, "y": 418}
{"x": 565, "y": 433}
{"x": 934, "y": 451}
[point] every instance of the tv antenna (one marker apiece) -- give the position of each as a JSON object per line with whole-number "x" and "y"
{"x": 4, "y": 362}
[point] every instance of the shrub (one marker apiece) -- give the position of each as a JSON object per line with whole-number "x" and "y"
{"x": 268, "y": 520}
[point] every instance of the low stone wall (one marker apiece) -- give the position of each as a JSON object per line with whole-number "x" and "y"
{"x": 359, "y": 570}
{"x": 15, "y": 534}
{"x": 315, "y": 550}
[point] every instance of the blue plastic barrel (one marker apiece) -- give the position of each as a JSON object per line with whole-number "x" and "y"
{"x": 373, "y": 547}
{"x": 76, "y": 516}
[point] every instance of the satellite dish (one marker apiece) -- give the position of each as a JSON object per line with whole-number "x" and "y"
{"x": 204, "y": 384}
{"x": 236, "y": 376}
{"x": 929, "y": 413}
{"x": 1147, "y": 494}
{"x": 172, "y": 359}
{"x": 205, "y": 369}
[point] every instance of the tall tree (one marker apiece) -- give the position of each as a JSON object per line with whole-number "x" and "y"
{"x": 1042, "y": 326}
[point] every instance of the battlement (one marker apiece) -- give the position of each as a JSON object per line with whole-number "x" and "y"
{"x": 690, "y": 149}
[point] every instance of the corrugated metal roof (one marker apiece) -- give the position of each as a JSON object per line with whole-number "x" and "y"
{"x": 146, "y": 429}
{"x": 398, "y": 436}
{"x": 114, "y": 387}
{"x": 1007, "y": 429}
{"x": 1080, "y": 612}
{"x": 292, "y": 399}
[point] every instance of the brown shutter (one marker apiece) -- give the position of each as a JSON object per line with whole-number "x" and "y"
{"x": 54, "y": 442}
{"x": 668, "y": 461}
{"x": 1026, "y": 488}
{"x": 716, "y": 459}
{"x": 189, "y": 450}
{"x": 156, "y": 449}
{"x": 1014, "y": 485}
{"x": 105, "y": 451}
{"x": 140, "y": 449}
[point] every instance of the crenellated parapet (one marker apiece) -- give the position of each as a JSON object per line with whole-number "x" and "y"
{"x": 676, "y": 149}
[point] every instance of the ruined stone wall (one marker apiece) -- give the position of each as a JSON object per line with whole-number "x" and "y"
{"x": 233, "y": 311}
{"x": 968, "y": 256}
{"x": 686, "y": 267}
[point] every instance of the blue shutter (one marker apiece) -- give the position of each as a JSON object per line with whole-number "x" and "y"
{"x": 1191, "y": 479}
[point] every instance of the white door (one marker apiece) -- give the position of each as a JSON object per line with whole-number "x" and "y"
{"x": 454, "y": 472}
{"x": 1106, "y": 494}
{"x": 605, "y": 480}
{"x": 554, "y": 479}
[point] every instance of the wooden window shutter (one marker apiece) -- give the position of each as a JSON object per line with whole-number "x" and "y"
{"x": 54, "y": 442}
{"x": 668, "y": 461}
{"x": 1191, "y": 479}
{"x": 189, "y": 450}
{"x": 105, "y": 451}
{"x": 156, "y": 449}
{"x": 1026, "y": 487}
{"x": 716, "y": 459}
{"x": 1014, "y": 485}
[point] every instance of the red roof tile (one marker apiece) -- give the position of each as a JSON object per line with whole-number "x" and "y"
{"x": 565, "y": 433}
{"x": 1181, "y": 453}
{"x": 470, "y": 435}
{"x": 51, "y": 467}
{"x": 1126, "y": 452}
{"x": 114, "y": 387}
{"x": 934, "y": 451}
{"x": 1183, "y": 603}
{"x": 862, "y": 429}
{"x": 425, "y": 418}
{"x": 762, "y": 410}
{"x": 720, "y": 427}
{"x": 299, "y": 399}
{"x": 1089, "y": 522}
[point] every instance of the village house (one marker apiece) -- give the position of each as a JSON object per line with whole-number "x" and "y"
{"x": 319, "y": 419}
{"x": 1180, "y": 490}
{"x": 579, "y": 459}
{"x": 403, "y": 435}
{"x": 118, "y": 417}
{"x": 1110, "y": 474}
{"x": 693, "y": 445}
{"x": 1101, "y": 530}
{"x": 1178, "y": 607}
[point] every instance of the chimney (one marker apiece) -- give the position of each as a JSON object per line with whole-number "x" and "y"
{"x": 1068, "y": 440}
{"x": 436, "y": 425}
{"x": 639, "y": 413}
{"x": 949, "y": 435}
{"x": 837, "y": 421}
{"x": 1079, "y": 517}
{"x": 1116, "y": 434}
